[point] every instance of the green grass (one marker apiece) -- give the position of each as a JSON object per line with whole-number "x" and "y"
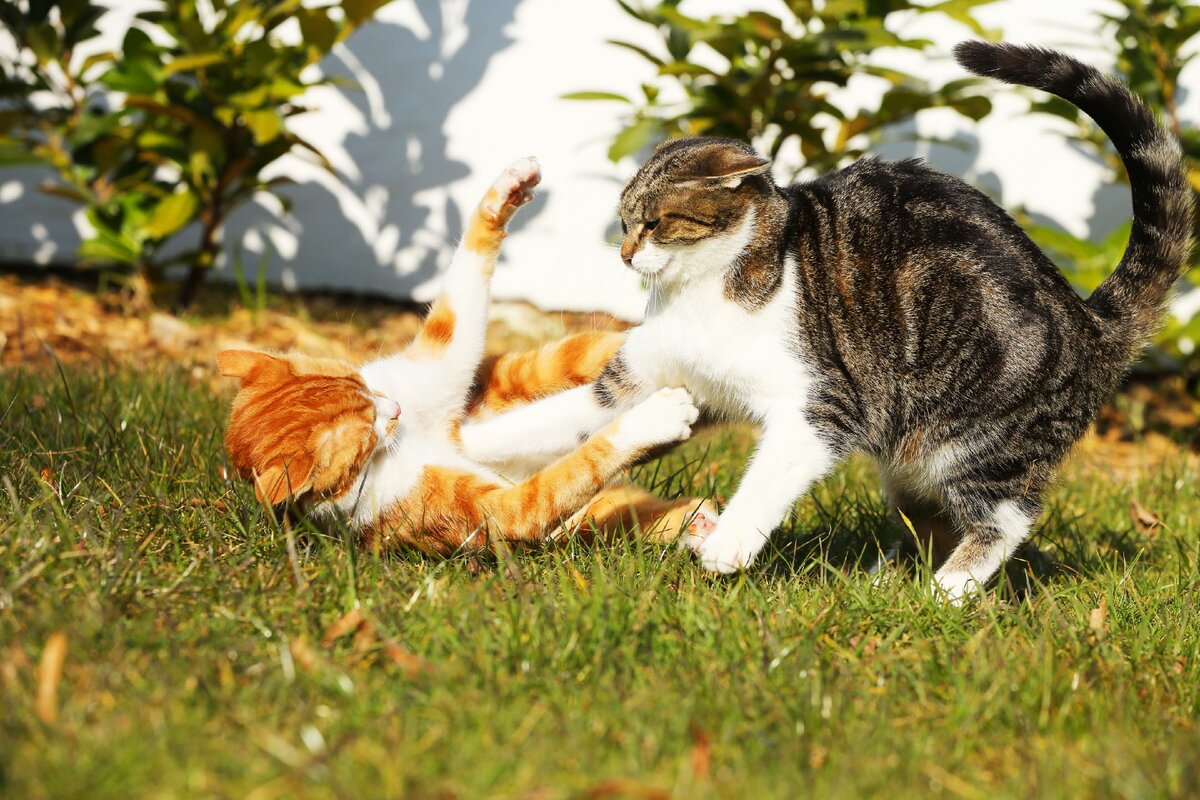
{"x": 195, "y": 666}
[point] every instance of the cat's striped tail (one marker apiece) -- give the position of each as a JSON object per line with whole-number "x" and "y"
{"x": 1132, "y": 298}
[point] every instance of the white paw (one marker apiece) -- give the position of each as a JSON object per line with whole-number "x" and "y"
{"x": 513, "y": 189}
{"x": 664, "y": 417}
{"x": 955, "y": 586}
{"x": 725, "y": 553}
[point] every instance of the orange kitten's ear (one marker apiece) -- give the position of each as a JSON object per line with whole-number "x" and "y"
{"x": 240, "y": 363}
{"x": 279, "y": 481}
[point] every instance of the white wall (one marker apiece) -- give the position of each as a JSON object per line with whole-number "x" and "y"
{"x": 453, "y": 90}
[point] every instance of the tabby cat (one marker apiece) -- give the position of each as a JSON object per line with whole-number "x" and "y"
{"x": 886, "y": 308}
{"x": 335, "y": 438}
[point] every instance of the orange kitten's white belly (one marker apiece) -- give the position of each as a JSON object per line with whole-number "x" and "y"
{"x": 423, "y": 439}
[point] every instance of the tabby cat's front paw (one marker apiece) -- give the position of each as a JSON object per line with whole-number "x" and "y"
{"x": 725, "y": 552}
{"x": 664, "y": 417}
{"x": 513, "y": 189}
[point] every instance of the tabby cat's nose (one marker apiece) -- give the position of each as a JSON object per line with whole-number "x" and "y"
{"x": 627, "y": 253}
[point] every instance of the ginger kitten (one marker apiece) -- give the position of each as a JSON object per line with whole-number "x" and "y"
{"x": 885, "y": 308}
{"x": 380, "y": 446}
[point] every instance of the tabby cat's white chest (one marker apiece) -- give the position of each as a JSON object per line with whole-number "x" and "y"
{"x": 738, "y": 362}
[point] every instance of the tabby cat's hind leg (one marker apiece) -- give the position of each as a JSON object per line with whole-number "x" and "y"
{"x": 992, "y": 530}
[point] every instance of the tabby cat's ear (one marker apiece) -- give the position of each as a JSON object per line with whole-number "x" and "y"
{"x": 240, "y": 363}
{"x": 727, "y": 167}
{"x": 280, "y": 481}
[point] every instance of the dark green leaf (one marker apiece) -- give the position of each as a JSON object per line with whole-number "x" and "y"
{"x": 318, "y": 30}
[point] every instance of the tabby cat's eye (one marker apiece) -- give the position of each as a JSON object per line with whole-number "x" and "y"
{"x": 651, "y": 224}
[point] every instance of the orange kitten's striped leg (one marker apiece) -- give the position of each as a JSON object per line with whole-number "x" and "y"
{"x": 629, "y": 509}
{"x": 455, "y": 327}
{"x": 542, "y": 429}
{"x": 531, "y": 509}
{"x": 450, "y": 508}
{"x": 516, "y": 378}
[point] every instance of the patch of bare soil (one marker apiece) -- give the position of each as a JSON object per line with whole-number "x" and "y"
{"x": 45, "y": 320}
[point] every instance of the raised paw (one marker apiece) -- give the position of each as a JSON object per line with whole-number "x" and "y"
{"x": 513, "y": 189}
{"x": 664, "y": 417}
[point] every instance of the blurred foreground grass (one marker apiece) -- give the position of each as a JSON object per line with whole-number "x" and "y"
{"x": 159, "y": 637}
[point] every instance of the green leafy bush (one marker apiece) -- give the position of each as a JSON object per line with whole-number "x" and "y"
{"x": 176, "y": 127}
{"x": 777, "y": 76}
{"x": 1153, "y": 38}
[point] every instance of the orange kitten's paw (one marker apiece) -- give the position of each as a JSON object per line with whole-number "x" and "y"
{"x": 702, "y": 523}
{"x": 513, "y": 189}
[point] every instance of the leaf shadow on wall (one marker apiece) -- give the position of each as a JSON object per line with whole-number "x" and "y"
{"x": 389, "y": 224}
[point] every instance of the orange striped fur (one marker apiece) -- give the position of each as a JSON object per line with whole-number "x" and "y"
{"x": 438, "y": 328}
{"x": 302, "y": 427}
{"x": 515, "y": 378}
{"x": 453, "y": 510}
{"x": 299, "y": 425}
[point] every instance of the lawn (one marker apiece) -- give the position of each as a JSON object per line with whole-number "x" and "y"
{"x": 161, "y": 637}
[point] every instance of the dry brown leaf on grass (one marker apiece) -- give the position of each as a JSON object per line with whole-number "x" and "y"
{"x": 701, "y": 756}
{"x": 1126, "y": 461}
{"x": 47, "y": 319}
{"x": 1098, "y": 618}
{"x": 49, "y": 674}
{"x": 366, "y": 638}
{"x": 411, "y": 663}
{"x": 341, "y": 626}
{"x": 171, "y": 333}
{"x": 1145, "y": 519}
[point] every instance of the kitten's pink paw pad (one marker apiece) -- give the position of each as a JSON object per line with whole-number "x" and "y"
{"x": 513, "y": 189}
{"x": 702, "y": 525}
{"x": 699, "y": 527}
